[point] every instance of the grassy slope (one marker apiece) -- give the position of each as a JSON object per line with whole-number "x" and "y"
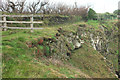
{"x": 113, "y": 45}
{"x": 91, "y": 62}
{"x": 20, "y": 61}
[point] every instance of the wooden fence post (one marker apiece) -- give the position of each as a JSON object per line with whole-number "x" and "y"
{"x": 5, "y": 24}
{"x": 31, "y": 19}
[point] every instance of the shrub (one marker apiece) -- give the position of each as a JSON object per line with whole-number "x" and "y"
{"x": 92, "y": 15}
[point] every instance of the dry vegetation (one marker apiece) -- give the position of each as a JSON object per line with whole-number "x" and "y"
{"x": 43, "y": 7}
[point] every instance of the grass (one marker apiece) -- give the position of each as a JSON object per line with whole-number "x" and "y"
{"x": 94, "y": 23}
{"x": 17, "y": 56}
{"x": 90, "y": 62}
{"x": 19, "y": 61}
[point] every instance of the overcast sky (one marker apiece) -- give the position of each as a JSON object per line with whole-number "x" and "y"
{"x": 100, "y": 6}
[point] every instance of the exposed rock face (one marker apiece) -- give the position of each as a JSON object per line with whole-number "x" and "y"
{"x": 60, "y": 45}
{"x": 64, "y": 41}
{"x": 100, "y": 40}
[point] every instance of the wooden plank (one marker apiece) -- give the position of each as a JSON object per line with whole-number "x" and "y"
{"x": 5, "y": 24}
{"x": 19, "y": 27}
{"x": 21, "y": 22}
{"x": 21, "y": 15}
{"x": 31, "y": 25}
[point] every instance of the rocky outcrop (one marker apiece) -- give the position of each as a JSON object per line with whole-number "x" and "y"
{"x": 61, "y": 45}
{"x": 101, "y": 40}
{"x": 64, "y": 42}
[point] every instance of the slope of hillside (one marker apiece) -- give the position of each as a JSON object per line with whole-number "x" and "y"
{"x": 20, "y": 61}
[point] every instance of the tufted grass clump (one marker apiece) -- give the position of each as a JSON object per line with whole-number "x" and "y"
{"x": 22, "y": 39}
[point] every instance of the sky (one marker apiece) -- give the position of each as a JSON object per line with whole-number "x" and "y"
{"x": 100, "y": 6}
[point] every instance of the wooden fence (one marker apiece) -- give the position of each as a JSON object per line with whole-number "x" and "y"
{"x": 31, "y": 22}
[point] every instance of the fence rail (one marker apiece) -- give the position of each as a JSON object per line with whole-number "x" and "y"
{"x": 21, "y": 15}
{"x": 19, "y": 27}
{"x": 20, "y": 22}
{"x": 31, "y": 22}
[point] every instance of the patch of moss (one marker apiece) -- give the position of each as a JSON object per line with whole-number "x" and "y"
{"x": 53, "y": 37}
{"x": 72, "y": 46}
{"x": 47, "y": 50}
